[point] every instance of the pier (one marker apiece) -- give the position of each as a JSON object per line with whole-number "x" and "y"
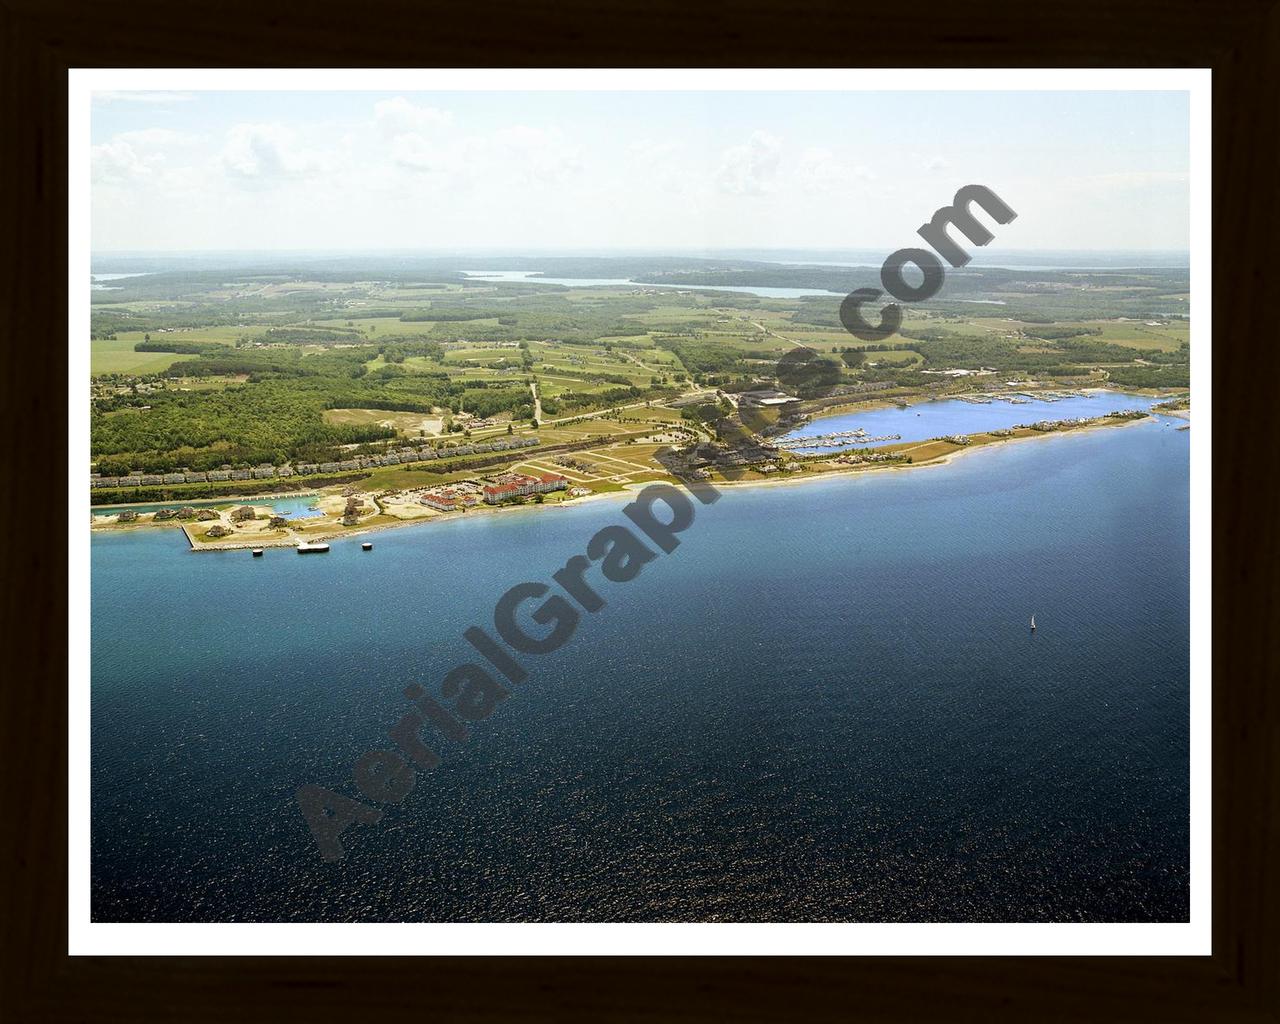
{"x": 1018, "y": 397}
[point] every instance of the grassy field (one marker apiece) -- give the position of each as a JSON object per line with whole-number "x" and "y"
{"x": 376, "y": 329}
{"x": 409, "y": 424}
{"x": 116, "y": 355}
{"x": 1167, "y": 337}
{"x": 222, "y": 335}
{"x": 1158, "y": 335}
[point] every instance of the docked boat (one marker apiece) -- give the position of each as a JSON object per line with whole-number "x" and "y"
{"x": 312, "y": 549}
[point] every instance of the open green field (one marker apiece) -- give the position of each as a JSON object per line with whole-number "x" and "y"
{"x": 223, "y": 334}
{"x": 375, "y": 329}
{"x": 408, "y": 424}
{"x": 484, "y": 355}
{"x": 1166, "y": 336}
{"x": 116, "y": 355}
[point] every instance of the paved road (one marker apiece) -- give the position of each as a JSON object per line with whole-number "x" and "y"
{"x": 775, "y": 334}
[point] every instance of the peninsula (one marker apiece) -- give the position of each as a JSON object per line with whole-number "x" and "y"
{"x": 399, "y": 396}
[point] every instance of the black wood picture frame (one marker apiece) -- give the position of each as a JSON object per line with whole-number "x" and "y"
{"x": 1239, "y": 39}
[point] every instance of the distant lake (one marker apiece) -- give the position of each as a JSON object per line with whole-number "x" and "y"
{"x": 951, "y": 416}
{"x": 96, "y": 279}
{"x": 825, "y": 705}
{"x": 983, "y": 259}
{"x": 533, "y": 277}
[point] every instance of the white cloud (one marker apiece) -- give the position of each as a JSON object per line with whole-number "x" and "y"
{"x": 751, "y": 169}
{"x": 819, "y": 170}
{"x": 415, "y": 153}
{"x": 143, "y": 97}
{"x": 151, "y": 162}
{"x": 1136, "y": 179}
{"x": 400, "y": 117}
{"x": 259, "y": 155}
{"x": 661, "y": 164}
{"x": 515, "y": 156}
{"x": 119, "y": 162}
{"x": 598, "y": 172}
{"x": 157, "y": 138}
{"x": 543, "y": 154}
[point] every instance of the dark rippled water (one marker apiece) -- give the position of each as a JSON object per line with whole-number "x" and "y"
{"x": 826, "y": 705}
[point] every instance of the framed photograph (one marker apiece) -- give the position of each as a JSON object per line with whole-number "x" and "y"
{"x": 768, "y": 550}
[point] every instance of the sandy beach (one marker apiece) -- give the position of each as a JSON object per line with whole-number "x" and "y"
{"x": 261, "y": 538}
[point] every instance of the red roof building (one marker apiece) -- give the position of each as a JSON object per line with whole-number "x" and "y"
{"x": 518, "y": 485}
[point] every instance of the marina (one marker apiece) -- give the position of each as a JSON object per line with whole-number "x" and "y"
{"x": 1019, "y": 397}
{"x": 966, "y": 414}
{"x": 836, "y": 439}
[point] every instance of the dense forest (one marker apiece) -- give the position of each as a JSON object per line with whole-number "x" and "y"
{"x": 277, "y": 413}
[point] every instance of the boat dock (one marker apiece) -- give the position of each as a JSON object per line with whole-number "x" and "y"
{"x": 1018, "y": 397}
{"x": 837, "y": 439}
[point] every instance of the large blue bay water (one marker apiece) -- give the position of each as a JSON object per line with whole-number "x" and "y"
{"x": 826, "y": 704}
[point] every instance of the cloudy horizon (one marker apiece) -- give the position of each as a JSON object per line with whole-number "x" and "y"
{"x": 630, "y": 171}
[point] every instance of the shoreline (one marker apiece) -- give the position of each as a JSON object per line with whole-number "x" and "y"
{"x": 869, "y": 404}
{"x": 875, "y": 404}
{"x": 941, "y": 460}
{"x": 626, "y": 492}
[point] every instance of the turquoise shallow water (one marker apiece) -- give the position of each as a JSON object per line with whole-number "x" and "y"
{"x": 294, "y": 506}
{"x": 826, "y": 704}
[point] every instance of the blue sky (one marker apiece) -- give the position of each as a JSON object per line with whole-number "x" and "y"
{"x": 631, "y": 170}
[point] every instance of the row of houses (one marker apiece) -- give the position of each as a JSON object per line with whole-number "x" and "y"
{"x": 266, "y": 471}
